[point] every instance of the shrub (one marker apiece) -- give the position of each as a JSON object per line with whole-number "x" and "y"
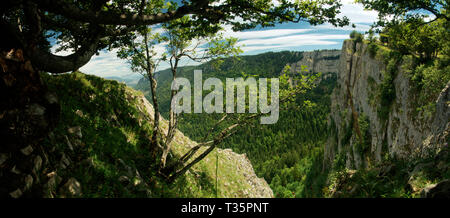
{"x": 373, "y": 49}
{"x": 386, "y": 88}
{"x": 358, "y": 37}
{"x": 364, "y": 127}
{"x": 353, "y": 34}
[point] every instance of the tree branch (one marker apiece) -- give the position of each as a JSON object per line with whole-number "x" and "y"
{"x": 111, "y": 17}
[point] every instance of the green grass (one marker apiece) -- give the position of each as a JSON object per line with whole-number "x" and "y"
{"x": 115, "y": 126}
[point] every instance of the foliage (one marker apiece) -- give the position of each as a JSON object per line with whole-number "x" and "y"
{"x": 395, "y": 11}
{"x": 87, "y": 27}
{"x": 386, "y": 89}
{"x": 424, "y": 51}
{"x": 265, "y": 65}
{"x": 423, "y": 43}
{"x": 364, "y": 126}
{"x": 358, "y": 37}
{"x": 415, "y": 38}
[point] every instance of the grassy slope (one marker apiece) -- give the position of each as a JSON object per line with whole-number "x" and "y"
{"x": 115, "y": 126}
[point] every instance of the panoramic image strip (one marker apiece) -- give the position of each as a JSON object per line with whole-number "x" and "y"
{"x": 224, "y": 99}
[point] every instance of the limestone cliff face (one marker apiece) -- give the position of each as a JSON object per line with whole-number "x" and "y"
{"x": 403, "y": 133}
{"x": 325, "y": 61}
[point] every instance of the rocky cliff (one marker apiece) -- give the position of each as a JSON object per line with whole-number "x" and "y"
{"x": 324, "y": 61}
{"x": 360, "y": 133}
{"x": 99, "y": 149}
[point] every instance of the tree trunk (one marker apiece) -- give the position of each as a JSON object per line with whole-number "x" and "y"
{"x": 172, "y": 121}
{"x": 27, "y": 113}
{"x": 155, "y": 143}
{"x": 150, "y": 68}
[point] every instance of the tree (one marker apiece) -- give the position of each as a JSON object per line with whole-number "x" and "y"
{"x": 405, "y": 29}
{"x": 394, "y": 11}
{"x": 418, "y": 39}
{"x": 355, "y": 35}
{"x": 85, "y": 27}
{"x": 180, "y": 42}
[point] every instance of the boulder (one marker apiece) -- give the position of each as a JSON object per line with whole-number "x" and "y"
{"x": 72, "y": 188}
{"x": 3, "y": 158}
{"x": 76, "y": 130}
{"x": 69, "y": 144}
{"x": 16, "y": 194}
{"x": 439, "y": 190}
{"x": 64, "y": 162}
{"x": 27, "y": 150}
{"x": 50, "y": 187}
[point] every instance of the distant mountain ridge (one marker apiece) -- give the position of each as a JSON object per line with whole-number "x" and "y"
{"x": 130, "y": 79}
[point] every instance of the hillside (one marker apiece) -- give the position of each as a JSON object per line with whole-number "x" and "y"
{"x": 99, "y": 149}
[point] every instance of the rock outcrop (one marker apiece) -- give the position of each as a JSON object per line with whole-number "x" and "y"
{"x": 440, "y": 190}
{"x": 323, "y": 61}
{"x": 404, "y": 133}
{"x": 257, "y": 187}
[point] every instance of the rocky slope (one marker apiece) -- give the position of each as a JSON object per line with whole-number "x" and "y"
{"x": 98, "y": 149}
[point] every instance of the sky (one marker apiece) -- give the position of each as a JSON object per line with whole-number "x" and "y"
{"x": 282, "y": 37}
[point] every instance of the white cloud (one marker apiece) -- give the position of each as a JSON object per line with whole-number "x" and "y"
{"x": 290, "y": 42}
{"x": 359, "y": 27}
{"x": 107, "y": 64}
{"x": 263, "y": 33}
{"x": 357, "y": 14}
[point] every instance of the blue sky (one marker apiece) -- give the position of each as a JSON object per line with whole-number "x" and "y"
{"x": 282, "y": 37}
